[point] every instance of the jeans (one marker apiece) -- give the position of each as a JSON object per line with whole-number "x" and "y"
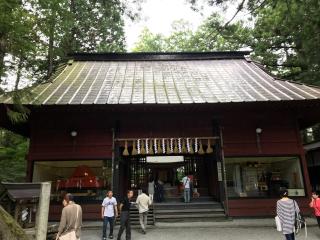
{"x": 289, "y": 236}
{"x": 125, "y": 224}
{"x": 107, "y": 220}
{"x": 143, "y": 218}
{"x": 186, "y": 194}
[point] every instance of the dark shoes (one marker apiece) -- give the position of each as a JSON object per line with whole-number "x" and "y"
{"x": 111, "y": 237}
{"x": 144, "y": 231}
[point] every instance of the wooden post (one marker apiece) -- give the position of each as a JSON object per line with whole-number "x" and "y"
{"x": 43, "y": 211}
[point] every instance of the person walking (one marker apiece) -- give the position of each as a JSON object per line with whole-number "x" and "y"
{"x": 186, "y": 186}
{"x": 71, "y": 220}
{"x": 286, "y": 211}
{"x": 109, "y": 212}
{"x": 143, "y": 202}
{"x": 315, "y": 204}
{"x": 124, "y": 209}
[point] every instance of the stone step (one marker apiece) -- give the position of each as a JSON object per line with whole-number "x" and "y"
{"x": 193, "y": 205}
{"x": 182, "y": 211}
{"x": 194, "y": 215}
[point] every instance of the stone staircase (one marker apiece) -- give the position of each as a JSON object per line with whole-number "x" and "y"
{"x": 201, "y": 209}
{"x": 173, "y": 209}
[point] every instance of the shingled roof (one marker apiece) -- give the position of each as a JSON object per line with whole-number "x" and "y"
{"x": 165, "y": 78}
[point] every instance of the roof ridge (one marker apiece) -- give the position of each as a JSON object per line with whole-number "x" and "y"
{"x": 157, "y": 56}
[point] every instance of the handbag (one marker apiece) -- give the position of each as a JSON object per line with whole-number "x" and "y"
{"x": 300, "y": 221}
{"x": 278, "y": 223}
{"x": 69, "y": 236}
{"x": 72, "y": 234}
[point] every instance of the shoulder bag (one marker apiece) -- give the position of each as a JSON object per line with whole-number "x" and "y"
{"x": 278, "y": 223}
{"x": 300, "y": 222}
{"x": 72, "y": 234}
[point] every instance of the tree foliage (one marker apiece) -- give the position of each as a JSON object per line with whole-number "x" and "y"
{"x": 36, "y": 35}
{"x": 206, "y": 38}
{"x": 285, "y": 37}
{"x": 13, "y": 149}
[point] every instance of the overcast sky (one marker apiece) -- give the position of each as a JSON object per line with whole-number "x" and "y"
{"x": 158, "y": 15}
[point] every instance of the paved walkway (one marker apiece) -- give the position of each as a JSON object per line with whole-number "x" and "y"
{"x": 239, "y": 229}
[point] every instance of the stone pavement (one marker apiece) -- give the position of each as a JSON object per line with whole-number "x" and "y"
{"x": 238, "y": 229}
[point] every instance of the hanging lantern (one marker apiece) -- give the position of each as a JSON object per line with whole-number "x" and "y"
{"x": 209, "y": 149}
{"x": 189, "y": 146}
{"x": 168, "y": 147}
{"x": 134, "y": 149}
{"x": 142, "y": 150}
{"x": 125, "y": 151}
{"x": 201, "y": 151}
{"x": 175, "y": 150}
{"x": 184, "y": 148}
{"x": 150, "y": 149}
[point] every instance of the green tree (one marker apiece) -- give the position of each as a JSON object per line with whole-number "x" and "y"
{"x": 206, "y": 38}
{"x": 285, "y": 37}
{"x": 13, "y": 149}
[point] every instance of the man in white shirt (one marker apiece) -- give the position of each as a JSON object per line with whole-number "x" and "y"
{"x": 186, "y": 186}
{"x": 108, "y": 213}
{"x": 143, "y": 202}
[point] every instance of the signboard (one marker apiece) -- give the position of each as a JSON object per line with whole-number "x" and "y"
{"x": 164, "y": 159}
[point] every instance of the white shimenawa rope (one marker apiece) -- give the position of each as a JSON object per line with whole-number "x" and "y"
{"x": 188, "y": 145}
{"x": 179, "y": 145}
{"x": 196, "y": 145}
{"x": 138, "y": 146}
{"x": 155, "y": 146}
{"x": 163, "y": 146}
{"x": 147, "y": 146}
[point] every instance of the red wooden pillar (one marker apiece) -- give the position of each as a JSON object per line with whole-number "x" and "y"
{"x": 303, "y": 162}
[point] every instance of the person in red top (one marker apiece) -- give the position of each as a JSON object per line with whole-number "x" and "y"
{"x": 315, "y": 204}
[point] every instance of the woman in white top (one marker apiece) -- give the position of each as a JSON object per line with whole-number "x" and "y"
{"x": 151, "y": 188}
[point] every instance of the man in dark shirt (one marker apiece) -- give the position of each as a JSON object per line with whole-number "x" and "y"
{"x": 125, "y": 215}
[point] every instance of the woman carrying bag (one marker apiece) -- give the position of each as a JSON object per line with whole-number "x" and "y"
{"x": 286, "y": 211}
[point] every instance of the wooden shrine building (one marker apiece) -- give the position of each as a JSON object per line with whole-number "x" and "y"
{"x": 115, "y": 121}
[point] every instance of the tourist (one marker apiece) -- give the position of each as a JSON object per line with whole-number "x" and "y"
{"x": 71, "y": 220}
{"x": 191, "y": 177}
{"x": 315, "y": 204}
{"x": 159, "y": 194}
{"x": 125, "y": 215}
{"x": 143, "y": 202}
{"x": 286, "y": 211}
{"x": 151, "y": 188}
{"x": 108, "y": 214}
{"x": 186, "y": 188}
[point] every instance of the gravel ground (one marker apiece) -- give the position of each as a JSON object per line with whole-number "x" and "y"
{"x": 212, "y": 233}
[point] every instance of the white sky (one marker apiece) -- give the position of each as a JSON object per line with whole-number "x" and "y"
{"x": 158, "y": 15}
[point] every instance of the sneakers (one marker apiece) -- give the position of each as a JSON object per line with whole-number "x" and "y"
{"x": 111, "y": 237}
{"x": 104, "y": 238}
